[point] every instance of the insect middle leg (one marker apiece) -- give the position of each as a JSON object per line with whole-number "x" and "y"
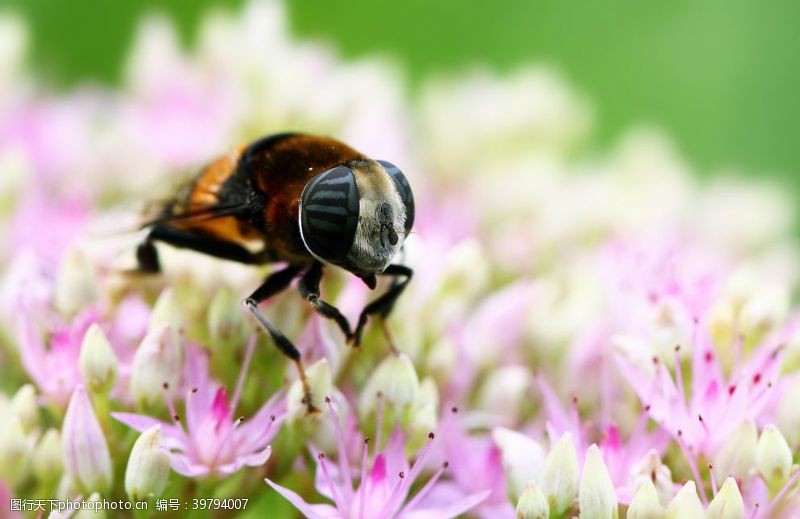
{"x": 309, "y": 289}
{"x": 383, "y": 306}
{"x": 277, "y": 282}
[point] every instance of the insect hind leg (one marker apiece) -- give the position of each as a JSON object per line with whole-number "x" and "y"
{"x": 276, "y": 282}
{"x": 147, "y": 258}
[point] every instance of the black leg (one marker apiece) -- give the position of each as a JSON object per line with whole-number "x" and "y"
{"x": 147, "y": 258}
{"x": 206, "y": 244}
{"x": 277, "y": 282}
{"x": 384, "y": 304}
{"x": 309, "y": 289}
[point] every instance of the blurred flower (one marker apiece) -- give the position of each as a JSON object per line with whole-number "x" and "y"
{"x": 55, "y": 369}
{"x": 14, "y": 450}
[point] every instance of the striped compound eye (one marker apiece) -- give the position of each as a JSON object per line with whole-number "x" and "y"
{"x": 329, "y": 214}
{"x": 403, "y": 189}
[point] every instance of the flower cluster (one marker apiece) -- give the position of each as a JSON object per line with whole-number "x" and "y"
{"x": 585, "y": 335}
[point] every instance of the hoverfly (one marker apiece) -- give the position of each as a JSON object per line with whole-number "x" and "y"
{"x": 305, "y": 200}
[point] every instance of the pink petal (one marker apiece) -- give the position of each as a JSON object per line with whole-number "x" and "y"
{"x": 255, "y": 459}
{"x": 450, "y": 510}
{"x": 181, "y": 464}
{"x": 298, "y": 502}
{"x": 174, "y": 438}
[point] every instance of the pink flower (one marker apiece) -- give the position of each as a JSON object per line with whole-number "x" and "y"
{"x": 383, "y": 485}
{"x": 53, "y": 364}
{"x": 622, "y": 456}
{"x": 54, "y": 368}
{"x": 717, "y": 404}
{"x": 212, "y": 442}
{"x": 475, "y": 464}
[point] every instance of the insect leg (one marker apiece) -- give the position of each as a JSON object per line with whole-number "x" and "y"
{"x": 309, "y": 289}
{"x": 147, "y": 258}
{"x": 275, "y": 283}
{"x": 384, "y": 304}
{"x": 206, "y": 244}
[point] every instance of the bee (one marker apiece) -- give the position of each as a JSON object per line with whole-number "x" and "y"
{"x": 304, "y": 200}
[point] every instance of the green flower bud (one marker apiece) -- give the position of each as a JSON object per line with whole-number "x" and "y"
{"x": 532, "y": 504}
{"x": 225, "y": 318}
{"x": 728, "y": 503}
{"x": 597, "y": 497}
{"x": 395, "y": 379}
{"x": 320, "y": 383}
{"x": 157, "y": 362}
{"x": 686, "y": 504}
{"x": 645, "y": 503}
{"x": 148, "y": 466}
{"x": 97, "y": 361}
{"x": 559, "y": 478}
{"x": 773, "y": 457}
{"x": 76, "y": 286}
{"x": 14, "y": 450}
{"x": 25, "y": 407}
{"x": 48, "y": 461}
{"x": 166, "y": 311}
{"x": 738, "y": 454}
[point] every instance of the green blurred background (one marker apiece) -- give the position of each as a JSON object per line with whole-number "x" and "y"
{"x": 720, "y": 77}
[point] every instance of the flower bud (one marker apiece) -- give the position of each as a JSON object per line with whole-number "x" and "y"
{"x": 167, "y": 312}
{"x": 645, "y": 503}
{"x": 722, "y": 323}
{"x": 503, "y": 391}
{"x": 788, "y": 415}
{"x": 225, "y": 318}
{"x": 25, "y": 407}
{"x": 728, "y": 503}
{"x": 48, "y": 462}
{"x": 424, "y": 412}
{"x": 597, "y": 497}
{"x": 86, "y": 455}
{"x": 532, "y": 504}
{"x": 738, "y": 454}
{"x": 763, "y": 311}
{"x": 773, "y": 456}
{"x": 88, "y": 513}
{"x": 686, "y": 504}
{"x": 320, "y": 383}
{"x": 395, "y": 379}
{"x": 76, "y": 286}
{"x": 66, "y": 488}
{"x": 522, "y": 458}
{"x": 651, "y": 470}
{"x": 158, "y": 361}
{"x": 559, "y": 479}
{"x": 14, "y": 450}
{"x": 97, "y": 361}
{"x": 148, "y": 466}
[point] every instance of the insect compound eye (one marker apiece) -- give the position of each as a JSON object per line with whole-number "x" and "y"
{"x": 329, "y": 213}
{"x": 404, "y": 189}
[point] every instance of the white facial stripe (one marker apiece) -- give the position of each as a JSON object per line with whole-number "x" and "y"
{"x": 375, "y": 187}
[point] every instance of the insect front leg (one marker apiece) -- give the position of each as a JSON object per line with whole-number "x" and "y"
{"x": 277, "y": 282}
{"x": 383, "y": 306}
{"x": 309, "y": 289}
